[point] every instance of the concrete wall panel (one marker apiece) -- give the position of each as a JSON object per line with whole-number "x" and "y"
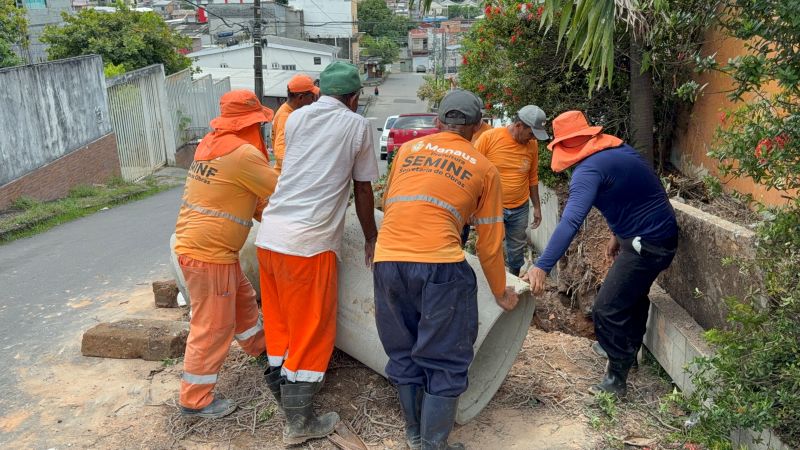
{"x": 50, "y": 110}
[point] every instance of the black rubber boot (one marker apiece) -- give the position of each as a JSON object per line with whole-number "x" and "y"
{"x": 301, "y": 423}
{"x": 411, "y": 401}
{"x": 274, "y": 381}
{"x": 599, "y": 351}
{"x": 615, "y": 379}
{"x": 436, "y": 422}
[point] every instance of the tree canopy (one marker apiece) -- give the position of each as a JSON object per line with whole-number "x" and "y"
{"x": 13, "y": 30}
{"x": 123, "y": 38}
{"x": 383, "y": 47}
{"x": 377, "y": 20}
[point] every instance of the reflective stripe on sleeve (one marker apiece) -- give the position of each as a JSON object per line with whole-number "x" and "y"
{"x": 250, "y": 332}
{"x": 199, "y": 379}
{"x": 429, "y": 199}
{"x": 487, "y": 220}
{"x": 220, "y": 214}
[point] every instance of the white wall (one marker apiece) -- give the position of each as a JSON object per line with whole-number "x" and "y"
{"x": 243, "y": 59}
{"x": 50, "y": 110}
{"x": 301, "y": 60}
{"x": 323, "y": 11}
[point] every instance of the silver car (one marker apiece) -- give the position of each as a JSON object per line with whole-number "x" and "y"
{"x": 385, "y": 134}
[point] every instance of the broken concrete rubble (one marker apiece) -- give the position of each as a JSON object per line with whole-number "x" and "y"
{"x": 151, "y": 340}
{"x": 165, "y": 294}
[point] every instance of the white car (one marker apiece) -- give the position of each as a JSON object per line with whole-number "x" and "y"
{"x": 385, "y": 134}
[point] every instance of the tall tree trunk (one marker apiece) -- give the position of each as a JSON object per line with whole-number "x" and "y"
{"x": 642, "y": 102}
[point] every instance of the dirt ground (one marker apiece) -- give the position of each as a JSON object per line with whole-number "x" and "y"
{"x": 106, "y": 403}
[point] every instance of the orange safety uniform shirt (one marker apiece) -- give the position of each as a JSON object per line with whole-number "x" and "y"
{"x": 437, "y": 184}
{"x": 518, "y": 164}
{"x": 279, "y": 133}
{"x": 484, "y": 128}
{"x": 220, "y": 199}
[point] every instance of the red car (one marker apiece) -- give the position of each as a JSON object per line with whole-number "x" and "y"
{"x": 408, "y": 127}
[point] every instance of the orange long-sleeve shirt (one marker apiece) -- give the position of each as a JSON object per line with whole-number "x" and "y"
{"x": 220, "y": 199}
{"x": 518, "y": 164}
{"x": 437, "y": 184}
{"x": 279, "y": 134}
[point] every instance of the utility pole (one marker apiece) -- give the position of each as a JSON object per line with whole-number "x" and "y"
{"x": 257, "y": 64}
{"x": 444, "y": 53}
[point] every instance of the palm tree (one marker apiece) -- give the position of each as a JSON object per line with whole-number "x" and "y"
{"x": 586, "y": 28}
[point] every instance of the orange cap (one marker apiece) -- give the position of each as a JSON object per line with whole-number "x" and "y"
{"x": 240, "y": 109}
{"x": 302, "y": 83}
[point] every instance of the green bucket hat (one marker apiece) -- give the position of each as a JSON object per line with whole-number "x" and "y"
{"x": 339, "y": 78}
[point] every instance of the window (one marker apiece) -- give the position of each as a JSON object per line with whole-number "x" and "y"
{"x": 289, "y": 67}
{"x": 276, "y": 65}
{"x": 32, "y": 4}
{"x": 317, "y": 60}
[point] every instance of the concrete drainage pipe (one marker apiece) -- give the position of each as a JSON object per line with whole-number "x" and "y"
{"x": 500, "y": 335}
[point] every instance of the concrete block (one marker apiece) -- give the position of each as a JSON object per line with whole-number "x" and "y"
{"x": 675, "y": 339}
{"x": 165, "y": 294}
{"x": 151, "y": 340}
{"x": 705, "y": 240}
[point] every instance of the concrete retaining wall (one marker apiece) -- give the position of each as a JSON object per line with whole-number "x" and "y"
{"x": 50, "y": 110}
{"x": 675, "y": 339}
{"x": 699, "y": 279}
{"x": 94, "y": 163}
{"x": 550, "y": 217}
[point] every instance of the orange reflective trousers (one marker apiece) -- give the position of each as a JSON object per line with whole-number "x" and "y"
{"x": 223, "y": 308}
{"x": 299, "y": 298}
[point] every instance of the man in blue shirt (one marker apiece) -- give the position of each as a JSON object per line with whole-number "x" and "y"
{"x": 613, "y": 177}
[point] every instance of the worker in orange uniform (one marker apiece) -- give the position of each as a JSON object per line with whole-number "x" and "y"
{"x": 425, "y": 292}
{"x": 328, "y": 146}
{"x": 227, "y": 185}
{"x": 299, "y": 92}
{"x": 515, "y": 153}
{"x": 484, "y": 127}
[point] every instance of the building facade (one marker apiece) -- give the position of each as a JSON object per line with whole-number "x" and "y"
{"x": 283, "y": 21}
{"x": 41, "y": 13}
{"x": 279, "y": 54}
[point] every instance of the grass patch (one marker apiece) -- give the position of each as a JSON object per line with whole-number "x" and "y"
{"x": 29, "y": 216}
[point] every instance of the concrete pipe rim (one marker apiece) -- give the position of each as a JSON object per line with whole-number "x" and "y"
{"x": 493, "y": 365}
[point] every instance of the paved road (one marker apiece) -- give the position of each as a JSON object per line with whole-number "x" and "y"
{"x": 116, "y": 250}
{"x": 43, "y": 278}
{"x": 398, "y": 95}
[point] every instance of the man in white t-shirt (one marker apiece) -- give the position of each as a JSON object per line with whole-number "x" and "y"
{"x": 327, "y": 145}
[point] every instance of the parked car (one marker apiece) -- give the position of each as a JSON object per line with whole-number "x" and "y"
{"x": 421, "y": 69}
{"x": 385, "y": 134}
{"x": 408, "y": 127}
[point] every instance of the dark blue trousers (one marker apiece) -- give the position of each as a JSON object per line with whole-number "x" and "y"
{"x": 427, "y": 318}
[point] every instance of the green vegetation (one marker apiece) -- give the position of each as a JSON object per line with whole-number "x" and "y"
{"x": 126, "y": 39}
{"x": 29, "y": 216}
{"x": 377, "y": 20}
{"x": 382, "y": 47}
{"x": 753, "y": 381}
{"x": 13, "y": 30}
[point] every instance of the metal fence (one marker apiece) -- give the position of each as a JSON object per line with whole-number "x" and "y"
{"x": 153, "y": 115}
{"x": 193, "y": 103}
{"x": 138, "y": 107}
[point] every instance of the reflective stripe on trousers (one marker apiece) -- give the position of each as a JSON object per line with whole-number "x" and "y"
{"x": 250, "y": 332}
{"x": 199, "y": 379}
